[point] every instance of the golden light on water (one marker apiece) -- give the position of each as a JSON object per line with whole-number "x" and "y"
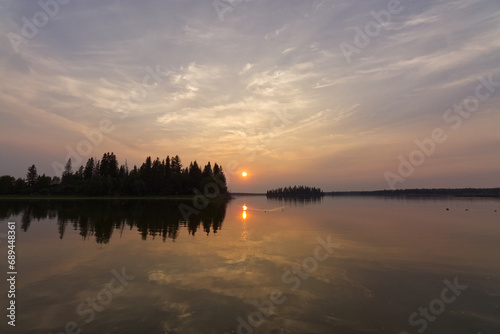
{"x": 244, "y": 214}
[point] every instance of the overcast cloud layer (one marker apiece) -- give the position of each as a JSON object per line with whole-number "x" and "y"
{"x": 268, "y": 88}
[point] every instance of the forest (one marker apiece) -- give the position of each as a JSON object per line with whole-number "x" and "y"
{"x": 106, "y": 177}
{"x": 295, "y": 191}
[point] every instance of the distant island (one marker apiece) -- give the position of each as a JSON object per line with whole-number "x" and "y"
{"x": 106, "y": 177}
{"x": 295, "y": 191}
{"x": 438, "y": 192}
{"x": 302, "y": 191}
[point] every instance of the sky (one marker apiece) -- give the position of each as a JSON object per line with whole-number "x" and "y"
{"x": 342, "y": 95}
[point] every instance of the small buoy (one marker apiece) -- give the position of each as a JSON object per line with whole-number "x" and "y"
{"x": 466, "y": 209}
{"x": 447, "y": 209}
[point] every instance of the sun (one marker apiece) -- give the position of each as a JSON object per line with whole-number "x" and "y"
{"x": 244, "y": 174}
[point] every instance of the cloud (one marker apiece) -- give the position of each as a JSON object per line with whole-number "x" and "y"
{"x": 246, "y": 68}
{"x": 224, "y": 83}
{"x": 275, "y": 33}
{"x": 287, "y": 50}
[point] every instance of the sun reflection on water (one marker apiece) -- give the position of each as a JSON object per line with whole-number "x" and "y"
{"x": 244, "y": 215}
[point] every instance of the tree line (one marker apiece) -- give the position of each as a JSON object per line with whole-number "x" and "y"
{"x": 295, "y": 191}
{"x": 106, "y": 177}
{"x": 437, "y": 192}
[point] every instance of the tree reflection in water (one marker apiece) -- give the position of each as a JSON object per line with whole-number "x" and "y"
{"x": 100, "y": 218}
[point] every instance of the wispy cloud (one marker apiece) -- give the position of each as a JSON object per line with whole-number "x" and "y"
{"x": 246, "y": 68}
{"x": 275, "y": 33}
{"x": 224, "y": 81}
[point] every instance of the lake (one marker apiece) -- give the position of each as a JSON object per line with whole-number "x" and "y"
{"x": 336, "y": 265}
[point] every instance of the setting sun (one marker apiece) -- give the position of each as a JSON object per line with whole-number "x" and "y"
{"x": 244, "y": 174}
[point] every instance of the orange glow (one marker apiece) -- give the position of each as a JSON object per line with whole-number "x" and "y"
{"x": 245, "y": 207}
{"x": 244, "y": 174}
{"x": 244, "y": 215}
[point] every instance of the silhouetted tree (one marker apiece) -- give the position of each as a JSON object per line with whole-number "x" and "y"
{"x": 207, "y": 171}
{"x": 177, "y": 177}
{"x": 220, "y": 178}
{"x": 20, "y": 187}
{"x": 68, "y": 172}
{"x": 145, "y": 172}
{"x": 157, "y": 176}
{"x": 167, "y": 187}
{"x": 79, "y": 173}
{"x": 122, "y": 173}
{"x": 44, "y": 184}
{"x": 195, "y": 175}
{"x": 138, "y": 186}
{"x": 7, "y": 185}
{"x": 97, "y": 168}
{"x": 109, "y": 165}
{"x": 176, "y": 165}
{"x": 89, "y": 169}
{"x": 31, "y": 177}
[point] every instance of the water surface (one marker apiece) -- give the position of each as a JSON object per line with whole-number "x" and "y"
{"x": 141, "y": 267}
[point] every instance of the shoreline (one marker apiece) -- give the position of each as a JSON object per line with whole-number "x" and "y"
{"x": 415, "y": 193}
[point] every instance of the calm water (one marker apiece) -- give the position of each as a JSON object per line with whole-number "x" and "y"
{"x": 340, "y": 265}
